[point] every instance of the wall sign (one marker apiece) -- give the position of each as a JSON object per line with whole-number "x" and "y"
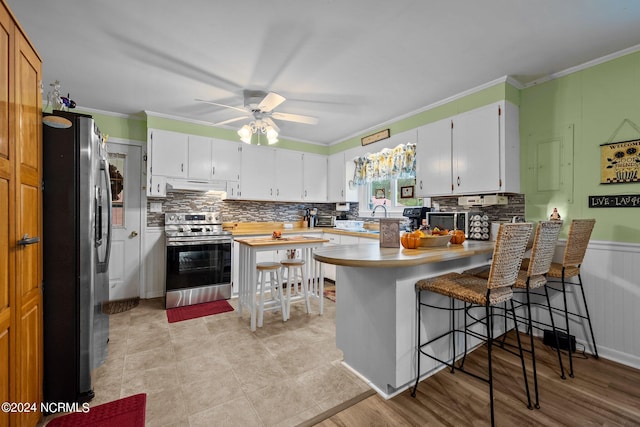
{"x": 630, "y": 201}
{"x": 620, "y": 162}
{"x": 383, "y": 134}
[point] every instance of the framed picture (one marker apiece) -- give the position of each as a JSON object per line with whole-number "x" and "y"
{"x": 620, "y": 162}
{"x": 406, "y": 192}
{"x": 380, "y": 194}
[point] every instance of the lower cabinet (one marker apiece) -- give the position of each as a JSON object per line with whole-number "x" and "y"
{"x": 154, "y": 254}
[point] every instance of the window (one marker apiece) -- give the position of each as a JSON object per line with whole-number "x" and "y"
{"x": 394, "y": 194}
{"x": 116, "y": 170}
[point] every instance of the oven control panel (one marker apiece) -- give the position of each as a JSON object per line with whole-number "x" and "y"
{"x": 192, "y": 218}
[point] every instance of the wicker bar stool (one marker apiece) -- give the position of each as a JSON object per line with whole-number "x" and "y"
{"x": 575, "y": 249}
{"x": 274, "y": 286}
{"x": 477, "y": 293}
{"x": 295, "y": 275}
{"x": 544, "y": 244}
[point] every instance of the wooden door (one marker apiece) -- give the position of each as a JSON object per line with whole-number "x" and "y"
{"x": 28, "y": 225}
{"x": 6, "y": 213}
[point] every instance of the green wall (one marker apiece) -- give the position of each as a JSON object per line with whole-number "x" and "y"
{"x": 563, "y": 122}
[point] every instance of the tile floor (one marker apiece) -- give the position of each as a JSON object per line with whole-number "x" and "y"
{"x": 213, "y": 371}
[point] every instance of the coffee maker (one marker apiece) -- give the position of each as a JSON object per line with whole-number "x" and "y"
{"x": 415, "y": 215}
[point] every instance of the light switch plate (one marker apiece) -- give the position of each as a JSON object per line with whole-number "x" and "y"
{"x": 156, "y": 207}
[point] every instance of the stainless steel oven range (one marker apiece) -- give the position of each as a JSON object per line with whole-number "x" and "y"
{"x": 198, "y": 258}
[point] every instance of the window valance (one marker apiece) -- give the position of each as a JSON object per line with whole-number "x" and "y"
{"x": 390, "y": 163}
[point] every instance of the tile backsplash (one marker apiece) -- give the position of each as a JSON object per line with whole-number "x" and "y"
{"x": 239, "y": 210}
{"x": 244, "y": 211}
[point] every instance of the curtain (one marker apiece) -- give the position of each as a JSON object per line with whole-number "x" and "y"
{"x": 390, "y": 163}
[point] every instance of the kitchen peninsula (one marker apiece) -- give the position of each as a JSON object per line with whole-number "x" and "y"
{"x": 375, "y": 306}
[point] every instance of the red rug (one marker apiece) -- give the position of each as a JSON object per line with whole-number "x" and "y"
{"x": 187, "y": 312}
{"x": 129, "y": 412}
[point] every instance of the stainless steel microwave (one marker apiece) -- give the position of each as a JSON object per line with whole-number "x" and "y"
{"x": 325, "y": 221}
{"x": 451, "y": 220}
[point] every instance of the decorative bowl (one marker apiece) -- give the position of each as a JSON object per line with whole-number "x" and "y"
{"x": 434, "y": 241}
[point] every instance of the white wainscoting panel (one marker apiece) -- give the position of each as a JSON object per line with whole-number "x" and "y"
{"x": 611, "y": 280}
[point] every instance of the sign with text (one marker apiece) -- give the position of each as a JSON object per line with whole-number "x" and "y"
{"x": 631, "y": 201}
{"x": 620, "y": 162}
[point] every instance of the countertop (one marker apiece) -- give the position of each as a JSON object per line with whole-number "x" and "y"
{"x": 375, "y": 256}
{"x": 267, "y": 228}
{"x": 268, "y": 241}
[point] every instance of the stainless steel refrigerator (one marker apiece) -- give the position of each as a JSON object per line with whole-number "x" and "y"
{"x": 76, "y": 244}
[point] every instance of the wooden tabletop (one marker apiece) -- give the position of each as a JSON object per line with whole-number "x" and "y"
{"x": 375, "y": 256}
{"x": 285, "y": 240}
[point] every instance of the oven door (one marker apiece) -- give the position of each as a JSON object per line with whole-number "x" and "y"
{"x": 194, "y": 263}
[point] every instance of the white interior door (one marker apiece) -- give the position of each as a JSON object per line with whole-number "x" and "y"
{"x": 124, "y": 266}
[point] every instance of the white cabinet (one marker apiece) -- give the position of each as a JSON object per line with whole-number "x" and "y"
{"x": 271, "y": 174}
{"x": 169, "y": 153}
{"x": 340, "y": 186}
{"x": 199, "y": 158}
{"x": 433, "y": 159}
{"x": 314, "y": 171}
{"x": 484, "y": 153}
{"x": 257, "y": 172}
{"x": 288, "y": 175}
{"x": 225, "y": 160}
{"x": 157, "y": 186}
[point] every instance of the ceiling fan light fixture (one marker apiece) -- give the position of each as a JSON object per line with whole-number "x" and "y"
{"x": 272, "y": 135}
{"x": 245, "y": 133}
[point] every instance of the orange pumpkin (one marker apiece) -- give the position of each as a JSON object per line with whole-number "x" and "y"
{"x": 457, "y": 237}
{"x": 410, "y": 241}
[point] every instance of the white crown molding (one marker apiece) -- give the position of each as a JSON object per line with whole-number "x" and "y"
{"x": 584, "y": 66}
{"x": 503, "y": 79}
{"x": 136, "y": 116}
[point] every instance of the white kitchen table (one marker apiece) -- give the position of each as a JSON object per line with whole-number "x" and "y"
{"x": 248, "y": 275}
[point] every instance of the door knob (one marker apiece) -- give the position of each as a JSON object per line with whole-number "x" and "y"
{"x": 133, "y": 234}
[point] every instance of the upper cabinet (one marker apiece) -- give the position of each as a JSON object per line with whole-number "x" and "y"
{"x": 340, "y": 187}
{"x": 470, "y": 153}
{"x": 169, "y": 153}
{"x": 257, "y": 172}
{"x": 199, "y": 158}
{"x": 288, "y": 175}
{"x": 314, "y": 170}
{"x": 271, "y": 174}
{"x": 226, "y": 158}
{"x": 433, "y": 159}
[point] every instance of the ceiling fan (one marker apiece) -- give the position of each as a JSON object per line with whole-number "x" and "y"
{"x": 259, "y": 106}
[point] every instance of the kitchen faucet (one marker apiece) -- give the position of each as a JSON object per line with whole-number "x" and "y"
{"x": 373, "y": 212}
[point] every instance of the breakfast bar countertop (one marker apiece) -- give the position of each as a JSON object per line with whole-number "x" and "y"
{"x": 375, "y": 256}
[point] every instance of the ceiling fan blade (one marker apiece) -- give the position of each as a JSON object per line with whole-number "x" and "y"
{"x": 295, "y": 118}
{"x": 222, "y": 105}
{"x": 235, "y": 119}
{"x": 271, "y": 101}
{"x": 271, "y": 123}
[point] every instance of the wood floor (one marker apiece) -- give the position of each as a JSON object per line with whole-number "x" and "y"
{"x": 602, "y": 393}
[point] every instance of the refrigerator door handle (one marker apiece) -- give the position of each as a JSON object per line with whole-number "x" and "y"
{"x": 104, "y": 167}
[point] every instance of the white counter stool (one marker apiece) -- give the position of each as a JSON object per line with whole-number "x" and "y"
{"x": 295, "y": 272}
{"x": 477, "y": 294}
{"x": 274, "y": 286}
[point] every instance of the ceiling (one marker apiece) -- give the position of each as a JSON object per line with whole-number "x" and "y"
{"x": 353, "y": 64}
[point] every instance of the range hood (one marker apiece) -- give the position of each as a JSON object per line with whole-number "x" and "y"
{"x": 196, "y": 186}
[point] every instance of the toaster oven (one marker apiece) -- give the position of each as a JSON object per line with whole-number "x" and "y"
{"x": 325, "y": 221}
